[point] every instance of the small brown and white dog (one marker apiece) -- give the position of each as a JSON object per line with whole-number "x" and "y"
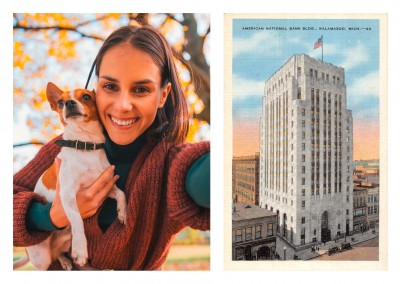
{"x": 83, "y": 159}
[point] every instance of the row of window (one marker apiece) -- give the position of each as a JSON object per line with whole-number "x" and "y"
{"x": 248, "y": 178}
{"x": 373, "y": 210}
{"x": 324, "y": 77}
{"x": 245, "y": 195}
{"x": 250, "y": 233}
{"x": 372, "y": 198}
{"x": 245, "y": 169}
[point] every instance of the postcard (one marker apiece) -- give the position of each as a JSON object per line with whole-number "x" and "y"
{"x": 306, "y": 142}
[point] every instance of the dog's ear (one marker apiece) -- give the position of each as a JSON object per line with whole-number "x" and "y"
{"x": 53, "y": 95}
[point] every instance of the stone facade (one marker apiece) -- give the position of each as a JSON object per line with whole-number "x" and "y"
{"x": 306, "y": 151}
{"x": 253, "y": 232}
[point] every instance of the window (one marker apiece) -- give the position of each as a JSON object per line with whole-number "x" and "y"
{"x": 238, "y": 235}
{"x": 258, "y": 231}
{"x": 303, "y": 158}
{"x": 303, "y": 220}
{"x": 299, "y": 93}
{"x": 347, "y": 212}
{"x": 303, "y": 111}
{"x": 303, "y": 192}
{"x": 248, "y": 234}
{"x": 303, "y": 181}
{"x": 303, "y": 146}
{"x": 303, "y": 204}
{"x": 270, "y": 229}
{"x": 303, "y": 124}
{"x": 303, "y": 135}
{"x": 311, "y": 73}
{"x": 303, "y": 169}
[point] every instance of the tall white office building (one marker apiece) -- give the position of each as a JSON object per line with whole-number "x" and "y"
{"x": 306, "y": 151}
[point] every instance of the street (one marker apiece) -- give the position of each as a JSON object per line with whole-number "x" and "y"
{"x": 368, "y": 250}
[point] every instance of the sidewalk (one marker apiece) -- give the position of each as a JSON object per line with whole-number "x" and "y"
{"x": 306, "y": 254}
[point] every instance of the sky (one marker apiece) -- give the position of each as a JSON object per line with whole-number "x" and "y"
{"x": 258, "y": 52}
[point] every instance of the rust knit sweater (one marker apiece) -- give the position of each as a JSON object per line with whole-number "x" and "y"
{"x": 158, "y": 208}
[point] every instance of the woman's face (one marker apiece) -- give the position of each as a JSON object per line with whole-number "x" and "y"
{"x": 128, "y": 92}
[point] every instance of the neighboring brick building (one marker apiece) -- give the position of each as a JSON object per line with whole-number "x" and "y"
{"x": 245, "y": 179}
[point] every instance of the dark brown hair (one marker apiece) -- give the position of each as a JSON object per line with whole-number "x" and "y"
{"x": 172, "y": 120}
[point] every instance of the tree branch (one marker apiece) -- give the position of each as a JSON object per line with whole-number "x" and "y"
{"x": 58, "y": 28}
{"x": 28, "y": 143}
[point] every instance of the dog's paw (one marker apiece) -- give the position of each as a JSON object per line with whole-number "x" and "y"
{"x": 79, "y": 252}
{"x": 81, "y": 260}
{"x": 121, "y": 213}
{"x": 65, "y": 262}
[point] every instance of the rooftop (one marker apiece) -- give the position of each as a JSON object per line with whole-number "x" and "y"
{"x": 243, "y": 211}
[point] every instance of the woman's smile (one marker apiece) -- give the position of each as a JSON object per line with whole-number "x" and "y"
{"x": 123, "y": 123}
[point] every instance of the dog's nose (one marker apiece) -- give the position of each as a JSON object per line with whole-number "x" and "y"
{"x": 70, "y": 104}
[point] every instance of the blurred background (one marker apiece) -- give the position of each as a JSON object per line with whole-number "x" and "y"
{"x": 61, "y": 48}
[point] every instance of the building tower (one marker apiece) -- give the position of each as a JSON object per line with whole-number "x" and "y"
{"x": 306, "y": 151}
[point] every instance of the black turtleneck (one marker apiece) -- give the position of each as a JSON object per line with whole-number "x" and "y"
{"x": 122, "y": 157}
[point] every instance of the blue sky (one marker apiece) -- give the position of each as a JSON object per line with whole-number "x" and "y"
{"x": 257, "y": 54}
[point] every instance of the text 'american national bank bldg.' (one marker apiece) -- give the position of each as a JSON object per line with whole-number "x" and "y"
{"x": 306, "y": 151}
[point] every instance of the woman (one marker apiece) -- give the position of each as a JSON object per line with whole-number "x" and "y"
{"x": 144, "y": 113}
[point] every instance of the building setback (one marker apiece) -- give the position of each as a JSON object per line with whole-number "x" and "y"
{"x": 245, "y": 179}
{"x": 306, "y": 151}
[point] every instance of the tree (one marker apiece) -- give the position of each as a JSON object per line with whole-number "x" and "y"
{"x": 61, "y": 48}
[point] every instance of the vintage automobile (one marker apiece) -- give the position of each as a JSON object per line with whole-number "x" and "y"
{"x": 345, "y": 246}
{"x": 332, "y": 250}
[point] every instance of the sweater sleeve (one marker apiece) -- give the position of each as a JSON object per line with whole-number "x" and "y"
{"x": 198, "y": 181}
{"x": 24, "y": 183}
{"x": 183, "y": 210}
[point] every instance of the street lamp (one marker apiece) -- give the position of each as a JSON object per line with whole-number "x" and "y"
{"x": 284, "y": 253}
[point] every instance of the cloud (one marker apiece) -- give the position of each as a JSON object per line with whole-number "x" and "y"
{"x": 365, "y": 86}
{"x": 258, "y": 43}
{"x": 354, "y": 56}
{"x": 242, "y": 88}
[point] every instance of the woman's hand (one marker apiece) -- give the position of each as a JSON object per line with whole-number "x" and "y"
{"x": 88, "y": 199}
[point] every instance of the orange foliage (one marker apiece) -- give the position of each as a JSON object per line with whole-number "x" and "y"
{"x": 45, "y": 43}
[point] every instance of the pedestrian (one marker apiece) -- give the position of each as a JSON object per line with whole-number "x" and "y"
{"x": 143, "y": 109}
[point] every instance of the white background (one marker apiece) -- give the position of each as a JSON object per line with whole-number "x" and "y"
{"x": 216, "y": 8}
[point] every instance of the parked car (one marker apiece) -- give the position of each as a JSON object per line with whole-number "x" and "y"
{"x": 333, "y": 250}
{"x": 345, "y": 246}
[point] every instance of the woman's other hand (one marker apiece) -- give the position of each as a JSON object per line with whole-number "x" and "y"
{"x": 88, "y": 198}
